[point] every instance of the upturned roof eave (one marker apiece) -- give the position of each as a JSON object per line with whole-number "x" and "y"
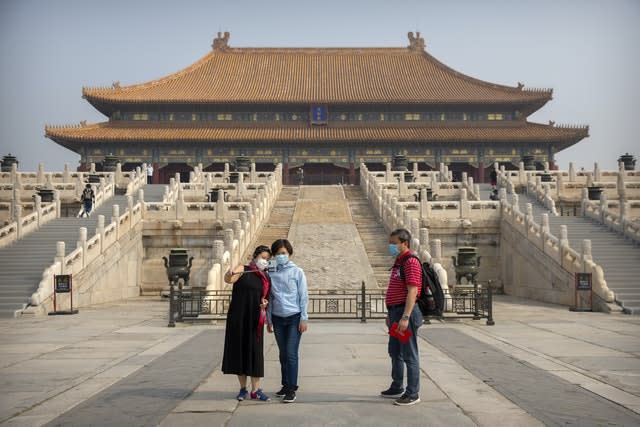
{"x": 106, "y": 104}
{"x": 72, "y": 136}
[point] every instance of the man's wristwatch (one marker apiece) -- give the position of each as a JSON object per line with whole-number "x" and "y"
{"x": 405, "y": 317}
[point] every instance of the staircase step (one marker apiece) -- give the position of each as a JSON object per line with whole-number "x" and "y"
{"x": 23, "y": 262}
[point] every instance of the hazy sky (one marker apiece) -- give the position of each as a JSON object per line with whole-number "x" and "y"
{"x": 586, "y": 50}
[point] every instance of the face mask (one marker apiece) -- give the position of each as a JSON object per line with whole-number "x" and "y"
{"x": 393, "y": 249}
{"x": 282, "y": 259}
{"x": 261, "y": 263}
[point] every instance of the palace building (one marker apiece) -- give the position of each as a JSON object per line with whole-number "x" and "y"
{"x": 325, "y": 110}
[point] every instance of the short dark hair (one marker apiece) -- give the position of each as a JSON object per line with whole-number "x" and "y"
{"x": 403, "y": 235}
{"x": 281, "y": 243}
{"x": 88, "y": 186}
{"x": 260, "y": 249}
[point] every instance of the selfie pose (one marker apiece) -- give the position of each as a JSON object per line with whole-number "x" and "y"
{"x": 243, "y": 342}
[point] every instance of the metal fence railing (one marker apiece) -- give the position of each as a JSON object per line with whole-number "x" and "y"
{"x": 363, "y": 304}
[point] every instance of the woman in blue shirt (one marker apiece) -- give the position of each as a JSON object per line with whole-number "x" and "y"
{"x": 287, "y": 314}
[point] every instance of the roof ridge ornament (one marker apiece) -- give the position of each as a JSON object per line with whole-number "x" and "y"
{"x": 416, "y": 42}
{"x": 221, "y": 42}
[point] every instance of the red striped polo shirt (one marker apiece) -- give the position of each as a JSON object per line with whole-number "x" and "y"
{"x": 397, "y": 289}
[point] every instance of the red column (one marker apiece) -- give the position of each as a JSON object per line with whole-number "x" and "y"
{"x": 285, "y": 174}
{"x": 155, "y": 179}
{"x": 480, "y": 172}
{"x": 352, "y": 174}
{"x": 553, "y": 166}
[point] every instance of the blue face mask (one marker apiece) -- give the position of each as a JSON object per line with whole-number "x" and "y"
{"x": 282, "y": 259}
{"x": 393, "y": 249}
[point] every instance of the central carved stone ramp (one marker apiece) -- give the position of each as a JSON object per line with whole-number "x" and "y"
{"x": 326, "y": 243}
{"x": 279, "y": 221}
{"x": 372, "y": 233}
{"x": 618, "y": 257}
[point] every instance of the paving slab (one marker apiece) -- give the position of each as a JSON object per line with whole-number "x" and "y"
{"x": 147, "y": 396}
{"x": 543, "y": 395}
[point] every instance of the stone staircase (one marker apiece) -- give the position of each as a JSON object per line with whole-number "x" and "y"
{"x": 23, "y": 262}
{"x": 618, "y": 257}
{"x": 372, "y": 233}
{"x": 279, "y": 221}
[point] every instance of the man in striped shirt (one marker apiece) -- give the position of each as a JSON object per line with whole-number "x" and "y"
{"x": 404, "y": 289}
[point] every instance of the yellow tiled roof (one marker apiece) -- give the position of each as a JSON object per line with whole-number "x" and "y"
{"x": 317, "y": 75}
{"x": 133, "y": 132}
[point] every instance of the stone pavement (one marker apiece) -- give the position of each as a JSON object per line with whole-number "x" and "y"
{"x": 540, "y": 364}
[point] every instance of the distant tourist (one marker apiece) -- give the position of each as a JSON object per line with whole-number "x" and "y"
{"x": 405, "y": 317}
{"x": 494, "y": 178}
{"x": 88, "y": 198}
{"x": 287, "y": 315}
{"x": 149, "y": 173}
{"x": 243, "y": 342}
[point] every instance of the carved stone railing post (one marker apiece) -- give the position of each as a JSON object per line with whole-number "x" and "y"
{"x": 101, "y": 232}
{"x": 586, "y": 253}
{"x": 572, "y": 172}
{"x": 18, "y": 218}
{"x": 82, "y": 243}
{"x": 436, "y": 251}
{"x": 60, "y": 252}
{"x": 40, "y": 175}
{"x": 115, "y": 217}
{"x": 545, "y": 223}
{"x": 424, "y": 239}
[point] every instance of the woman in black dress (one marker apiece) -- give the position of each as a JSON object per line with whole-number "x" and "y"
{"x": 243, "y": 342}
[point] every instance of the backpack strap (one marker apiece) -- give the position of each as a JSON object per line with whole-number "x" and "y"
{"x": 404, "y": 261}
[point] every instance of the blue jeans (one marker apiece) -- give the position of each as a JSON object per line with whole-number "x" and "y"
{"x": 405, "y": 354}
{"x": 288, "y": 339}
{"x": 88, "y": 204}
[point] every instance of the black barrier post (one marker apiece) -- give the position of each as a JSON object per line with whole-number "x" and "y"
{"x": 490, "y": 321}
{"x": 172, "y": 320}
{"x": 476, "y": 302}
{"x": 363, "y": 317}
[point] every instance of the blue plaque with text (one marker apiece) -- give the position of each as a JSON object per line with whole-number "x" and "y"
{"x": 319, "y": 114}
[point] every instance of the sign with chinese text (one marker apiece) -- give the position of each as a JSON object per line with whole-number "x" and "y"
{"x": 319, "y": 114}
{"x": 62, "y": 283}
{"x": 583, "y": 296}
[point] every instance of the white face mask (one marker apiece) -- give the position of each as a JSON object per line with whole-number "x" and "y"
{"x": 261, "y": 263}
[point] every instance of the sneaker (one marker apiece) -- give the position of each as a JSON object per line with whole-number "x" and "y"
{"x": 282, "y": 392}
{"x": 244, "y": 394}
{"x": 407, "y": 400}
{"x": 258, "y": 394}
{"x": 290, "y": 396}
{"x": 391, "y": 393}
